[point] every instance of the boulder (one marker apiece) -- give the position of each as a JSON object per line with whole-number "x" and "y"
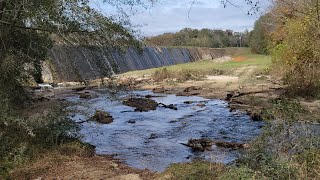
{"x": 102, "y": 117}
{"x": 141, "y": 104}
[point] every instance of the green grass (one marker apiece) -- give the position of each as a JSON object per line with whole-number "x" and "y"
{"x": 260, "y": 61}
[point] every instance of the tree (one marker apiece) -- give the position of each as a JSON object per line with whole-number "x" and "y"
{"x": 296, "y": 41}
{"x": 29, "y": 28}
{"x": 260, "y": 36}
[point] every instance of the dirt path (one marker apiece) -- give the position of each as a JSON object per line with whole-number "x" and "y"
{"x": 91, "y": 168}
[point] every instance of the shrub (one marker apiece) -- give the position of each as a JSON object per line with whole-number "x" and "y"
{"x": 27, "y": 138}
{"x": 183, "y": 75}
{"x": 296, "y": 53}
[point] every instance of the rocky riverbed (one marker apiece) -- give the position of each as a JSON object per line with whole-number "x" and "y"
{"x": 156, "y": 138}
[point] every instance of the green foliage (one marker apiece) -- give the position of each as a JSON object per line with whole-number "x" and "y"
{"x": 241, "y": 173}
{"x": 288, "y": 110}
{"x": 296, "y": 52}
{"x": 259, "y": 38}
{"x": 28, "y": 29}
{"x": 200, "y": 38}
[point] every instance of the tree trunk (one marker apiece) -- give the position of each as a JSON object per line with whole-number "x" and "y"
{"x": 2, "y": 5}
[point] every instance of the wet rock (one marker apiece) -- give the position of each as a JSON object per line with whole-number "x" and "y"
{"x": 202, "y": 144}
{"x": 87, "y": 94}
{"x": 170, "y": 106}
{"x": 188, "y": 102}
{"x": 131, "y": 121}
{"x": 141, "y": 104}
{"x": 102, "y": 117}
{"x": 232, "y": 145}
{"x": 161, "y": 90}
{"x": 188, "y": 93}
{"x": 153, "y": 136}
{"x": 255, "y": 115}
{"x": 229, "y": 96}
{"x": 152, "y": 96}
{"x": 79, "y": 88}
{"x": 192, "y": 88}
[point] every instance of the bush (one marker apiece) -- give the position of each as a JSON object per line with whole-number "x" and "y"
{"x": 27, "y": 138}
{"x": 183, "y": 75}
{"x": 194, "y": 171}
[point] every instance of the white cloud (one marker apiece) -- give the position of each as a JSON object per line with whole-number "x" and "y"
{"x": 173, "y": 16}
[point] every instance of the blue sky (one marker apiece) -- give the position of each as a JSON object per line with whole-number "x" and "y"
{"x": 173, "y": 15}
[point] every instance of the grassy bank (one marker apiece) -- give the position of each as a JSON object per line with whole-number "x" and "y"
{"x": 240, "y": 58}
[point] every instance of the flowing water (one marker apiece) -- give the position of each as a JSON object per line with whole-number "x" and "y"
{"x": 72, "y": 63}
{"x": 154, "y": 140}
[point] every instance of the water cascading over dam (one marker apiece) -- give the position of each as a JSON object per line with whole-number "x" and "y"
{"x": 70, "y": 63}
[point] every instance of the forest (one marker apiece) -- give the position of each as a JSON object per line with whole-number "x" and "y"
{"x": 201, "y": 38}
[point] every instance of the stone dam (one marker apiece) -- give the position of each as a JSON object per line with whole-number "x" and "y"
{"x": 71, "y": 63}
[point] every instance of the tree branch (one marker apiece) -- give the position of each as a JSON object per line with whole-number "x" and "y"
{"x": 41, "y": 29}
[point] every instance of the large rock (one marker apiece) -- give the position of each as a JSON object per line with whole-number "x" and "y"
{"x": 232, "y": 145}
{"x": 200, "y": 144}
{"x": 102, "y": 117}
{"x": 141, "y": 104}
{"x": 204, "y": 144}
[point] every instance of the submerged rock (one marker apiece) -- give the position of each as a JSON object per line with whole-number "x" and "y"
{"x": 170, "y": 106}
{"x": 188, "y": 102}
{"x": 153, "y": 136}
{"x": 131, "y": 121}
{"x": 102, "y": 117}
{"x": 141, "y": 104}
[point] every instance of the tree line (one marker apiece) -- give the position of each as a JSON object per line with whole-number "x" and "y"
{"x": 201, "y": 38}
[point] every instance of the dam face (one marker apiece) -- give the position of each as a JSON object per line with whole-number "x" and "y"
{"x": 70, "y": 63}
